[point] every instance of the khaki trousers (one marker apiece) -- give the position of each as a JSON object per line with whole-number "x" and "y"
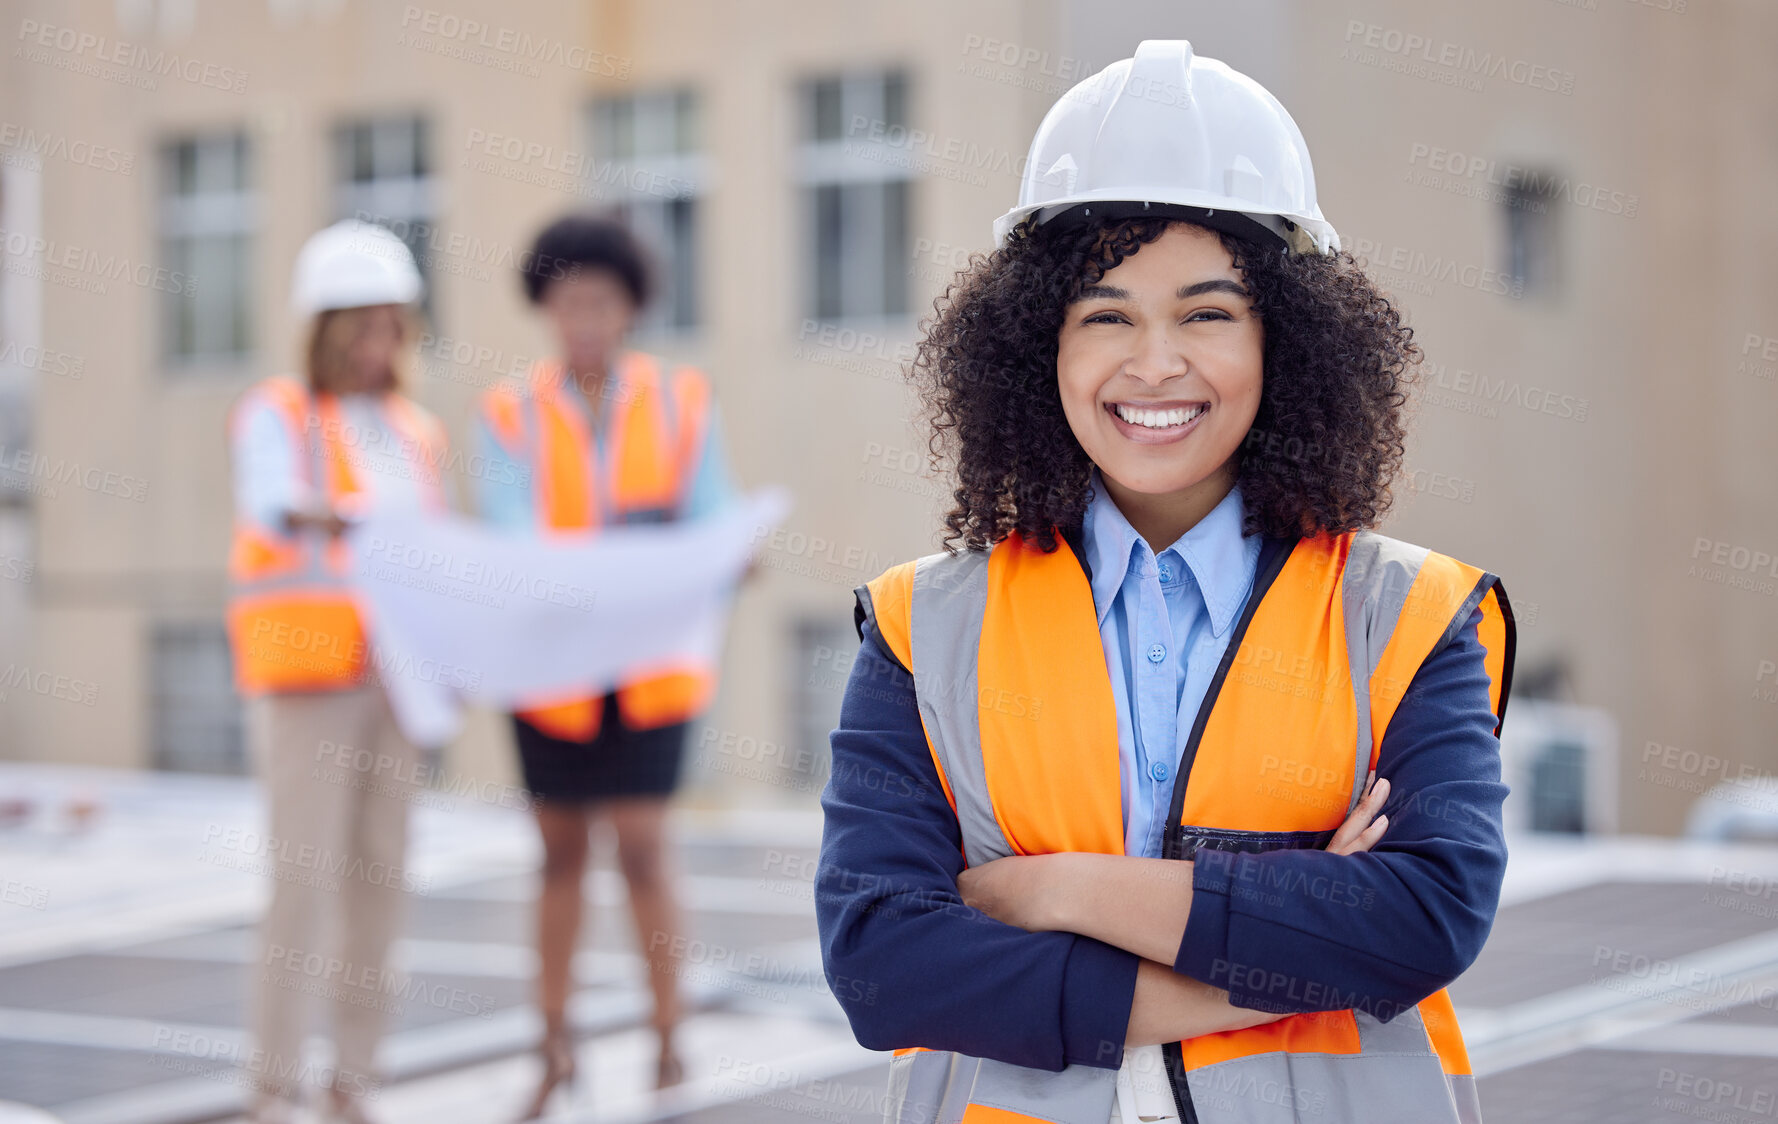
{"x": 338, "y": 778}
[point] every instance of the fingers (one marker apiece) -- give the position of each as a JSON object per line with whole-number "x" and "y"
{"x": 1369, "y": 836}
{"x": 1365, "y": 825}
{"x": 1379, "y": 796}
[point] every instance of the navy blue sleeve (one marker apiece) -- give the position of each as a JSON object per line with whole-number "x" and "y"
{"x": 910, "y": 964}
{"x": 1385, "y": 929}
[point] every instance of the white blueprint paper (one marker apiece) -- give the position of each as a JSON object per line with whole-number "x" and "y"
{"x": 458, "y": 612}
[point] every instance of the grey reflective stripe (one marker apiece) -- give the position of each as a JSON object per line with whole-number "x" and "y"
{"x": 1379, "y": 572}
{"x": 921, "y": 1090}
{"x": 1464, "y": 1096}
{"x": 1404, "y": 1034}
{"x": 1395, "y": 1078}
{"x": 937, "y": 1086}
{"x": 1078, "y": 1094}
{"x": 1287, "y": 1088}
{"x": 313, "y": 571}
{"x": 949, "y": 599}
{"x": 306, "y": 578}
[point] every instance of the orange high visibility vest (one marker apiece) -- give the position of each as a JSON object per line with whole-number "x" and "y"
{"x": 293, "y": 622}
{"x": 1016, "y": 701}
{"x": 654, "y": 442}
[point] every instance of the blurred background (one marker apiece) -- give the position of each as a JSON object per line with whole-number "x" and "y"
{"x": 1571, "y": 199}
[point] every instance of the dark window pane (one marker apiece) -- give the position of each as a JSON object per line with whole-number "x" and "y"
{"x": 895, "y": 247}
{"x": 827, "y": 110}
{"x": 895, "y": 100}
{"x": 195, "y": 712}
{"x": 828, "y": 233}
{"x": 686, "y": 136}
{"x": 422, "y": 148}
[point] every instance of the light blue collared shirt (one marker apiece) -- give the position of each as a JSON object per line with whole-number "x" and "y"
{"x": 503, "y": 484}
{"x": 271, "y": 478}
{"x": 1165, "y": 623}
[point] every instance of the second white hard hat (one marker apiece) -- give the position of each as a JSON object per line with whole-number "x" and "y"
{"x": 352, "y": 264}
{"x": 1169, "y": 133}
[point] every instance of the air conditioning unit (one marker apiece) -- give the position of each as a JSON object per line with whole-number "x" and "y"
{"x": 1561, "y": 761}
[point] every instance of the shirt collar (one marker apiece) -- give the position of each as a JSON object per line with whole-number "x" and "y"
{"x": 1221, "y": 558}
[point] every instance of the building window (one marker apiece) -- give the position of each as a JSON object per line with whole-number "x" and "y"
{"x": 383, "y": 174}
{"x": 1531, "y": 258}
{"x": 856, "y": 169}
{"x": 195, "y": 711}
{"x": 824, "y": 651}
{"x": 648, "y": 164}
{"x": 207, "y": 217}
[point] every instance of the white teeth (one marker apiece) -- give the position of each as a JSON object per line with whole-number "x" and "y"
{"x": 1158, "y": 419}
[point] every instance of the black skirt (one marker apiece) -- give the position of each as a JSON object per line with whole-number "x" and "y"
{"x": 618, "y": 761}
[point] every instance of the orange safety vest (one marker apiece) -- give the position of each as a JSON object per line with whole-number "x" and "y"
{"x": 293, "y": 622}
{"x": 1016, "y": 701}
{"x": 654, "y": 442}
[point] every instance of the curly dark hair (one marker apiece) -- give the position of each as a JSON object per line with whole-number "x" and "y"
{"x": 1324, "y": 447}
{"x": 583, "y": 242}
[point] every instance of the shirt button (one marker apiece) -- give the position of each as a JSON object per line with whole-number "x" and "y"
{"x": 1156, "y": 654}
{"x": 1158, "y": 770}
{"x": 1166, "y": 572}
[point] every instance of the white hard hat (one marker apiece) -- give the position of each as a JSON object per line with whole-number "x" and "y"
{"x": 1168, "y": 133}
{"x": 352, "y": 264}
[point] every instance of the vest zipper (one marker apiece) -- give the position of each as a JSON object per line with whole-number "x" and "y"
{"x": 1273, "y": 554}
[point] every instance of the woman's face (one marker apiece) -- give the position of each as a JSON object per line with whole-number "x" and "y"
{"x": 369, "y": 339}
{"x": 1159, "y": 366}
{"x": 590, "y": 311}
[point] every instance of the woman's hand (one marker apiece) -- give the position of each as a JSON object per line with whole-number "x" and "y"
{"x": 1016, "y": 890}
{"x": 322, "y": 520}
{"x": 1137, "y": 904}
{"x": 1361, "y": 831}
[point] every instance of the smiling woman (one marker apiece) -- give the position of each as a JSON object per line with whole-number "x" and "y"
{"x": 1328, "y": 364}
{"x": 1167, "y": 889}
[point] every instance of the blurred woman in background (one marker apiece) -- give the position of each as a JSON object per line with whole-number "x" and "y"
{"x": 308, "y": 451}
{"x": 602, "y": 436}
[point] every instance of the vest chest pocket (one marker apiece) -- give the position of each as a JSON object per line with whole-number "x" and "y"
{"x": 1335, "y": 1065}
{"x": 1185, "y": 841}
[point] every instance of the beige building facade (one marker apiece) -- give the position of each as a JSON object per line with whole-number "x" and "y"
{"x": 1565, "y": 197}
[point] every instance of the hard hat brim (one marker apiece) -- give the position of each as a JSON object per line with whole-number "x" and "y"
{"x": 1301, "y": 234}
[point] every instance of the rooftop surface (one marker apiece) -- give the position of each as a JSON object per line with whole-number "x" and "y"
{"x": 1627, "y": 979}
